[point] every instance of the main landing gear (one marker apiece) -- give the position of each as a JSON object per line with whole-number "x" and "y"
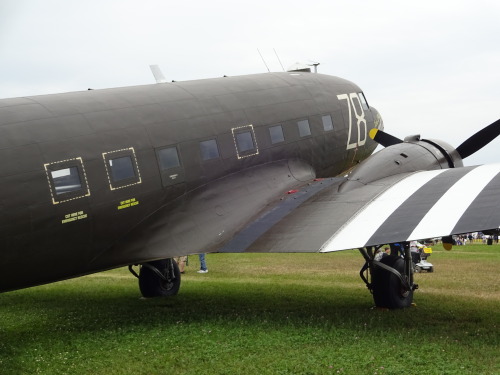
{"x": 160, "y": 278}
{"x": 391, "y": 276}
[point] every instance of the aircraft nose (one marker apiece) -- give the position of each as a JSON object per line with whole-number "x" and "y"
{"x": 377, "y": 119}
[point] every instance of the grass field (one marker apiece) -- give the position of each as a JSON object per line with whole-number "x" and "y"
{"x": 260, "y": 314}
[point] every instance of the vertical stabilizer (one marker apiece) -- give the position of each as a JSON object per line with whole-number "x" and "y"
{"x": 160, "y": 78}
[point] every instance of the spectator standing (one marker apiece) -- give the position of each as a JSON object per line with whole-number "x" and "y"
{"x": 203, "y": 263}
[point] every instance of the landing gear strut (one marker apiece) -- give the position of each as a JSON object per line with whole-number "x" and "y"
{"x": 391, "y": 277}
{"x": 160, "y": 278}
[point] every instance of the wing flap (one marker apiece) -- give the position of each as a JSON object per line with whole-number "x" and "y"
{"x": 308, "y": 225}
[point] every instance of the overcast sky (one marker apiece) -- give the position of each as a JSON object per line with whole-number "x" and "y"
{"x": 429, "y": 67}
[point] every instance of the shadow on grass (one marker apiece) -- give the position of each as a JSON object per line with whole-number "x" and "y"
{"x": 67, "y": 309}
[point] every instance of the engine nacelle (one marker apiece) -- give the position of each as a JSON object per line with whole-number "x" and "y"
{"x": 409, "y": 156}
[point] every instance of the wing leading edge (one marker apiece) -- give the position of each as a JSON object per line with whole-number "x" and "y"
{"x": 399, "y": 208}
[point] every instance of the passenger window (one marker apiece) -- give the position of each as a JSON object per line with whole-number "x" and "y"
{"x": 67, "y": 180}
{"x": 245, "y": 141}
{"x": 169, "y": 158}
{"x": 276, "y": 133}
{"x": 304, "y": 129}
{"x": 327, "y": 123}
{"x": 363, "y": 101}
{"x": 209, "y": 149}
{"x": 121, "y": 166}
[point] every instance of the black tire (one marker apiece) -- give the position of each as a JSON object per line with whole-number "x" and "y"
{"x": 431, "y": 269}
{"x": 152, "y": 285}
{"x": 387, "y": 289}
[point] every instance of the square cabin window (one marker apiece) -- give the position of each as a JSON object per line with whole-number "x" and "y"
{"x": 66, "y": 180}
{"x": 327, "y": 123}
{"x": 121, "y": 168}
{"x": 245, "y": 141}
{"x": 304, "y": 129}
{"x": 276, "y": 133}
{"x": 169, "y": 158}
{"x": 209, "y": 149}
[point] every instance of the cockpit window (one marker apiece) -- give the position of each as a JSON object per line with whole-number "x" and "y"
{"x": 363, "y": 101}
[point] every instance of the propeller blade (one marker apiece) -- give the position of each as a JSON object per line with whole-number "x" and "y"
{"x": 383, "y": 138}
{"x": 479, "y": 140}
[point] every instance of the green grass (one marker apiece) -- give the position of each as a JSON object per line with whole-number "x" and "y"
{"x": 260, "y": 314}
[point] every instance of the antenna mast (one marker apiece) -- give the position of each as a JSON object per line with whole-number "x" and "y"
{"x": 315, "y": 64}
{"x": 278, "y": 59}
{"x": 263, "y": 60}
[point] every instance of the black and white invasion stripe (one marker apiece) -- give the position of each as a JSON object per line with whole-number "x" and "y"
{"x": 423, "y": 205}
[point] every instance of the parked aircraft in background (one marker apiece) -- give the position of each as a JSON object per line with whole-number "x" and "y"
{"x": 275, "y": 162}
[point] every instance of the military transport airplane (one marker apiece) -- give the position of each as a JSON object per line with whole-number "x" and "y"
{"x": 275, "y": 162}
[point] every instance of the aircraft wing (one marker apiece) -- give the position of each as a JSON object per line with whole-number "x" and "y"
{"x": 320, "y": 217}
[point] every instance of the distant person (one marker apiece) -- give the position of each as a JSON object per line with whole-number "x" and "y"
{"x": 414, "y": 251}
{"x": 203, "y": 264}
{"x": 181, "y": 262}
{"x": 489, "y": 240}
{"x": 414, "y": 245}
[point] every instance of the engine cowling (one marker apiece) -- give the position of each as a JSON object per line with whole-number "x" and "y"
{"x": 411, "y": 155}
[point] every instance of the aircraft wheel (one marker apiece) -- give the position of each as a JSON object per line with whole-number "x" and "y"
{"x": 431, "y": 269}
{"x": 387, "y": 289}
{"x": 152, "y": 285}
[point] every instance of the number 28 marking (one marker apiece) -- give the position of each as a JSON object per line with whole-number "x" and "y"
{"x": 360, "y": 119}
